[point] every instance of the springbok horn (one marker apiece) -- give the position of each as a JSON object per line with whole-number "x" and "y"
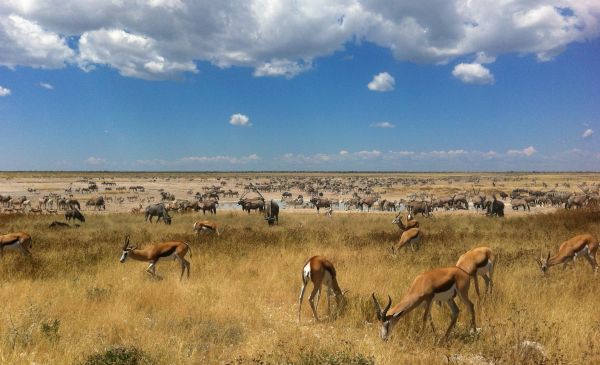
{"x": 377, "y": 307}
{"x": 548, "y": 258}
{"x": 387, "y": 307}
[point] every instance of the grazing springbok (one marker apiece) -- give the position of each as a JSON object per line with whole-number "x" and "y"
{"x": 16, "y": 241}
{"x": 412, "y": 236}
{"x": 206, "y": 226}
{"x": 160, "y": 251}
{"x": 440, "y": 285}
{"x": 479, "y": 261}
{"x": 584, "y": 245}
{"x": 320, "y": 271}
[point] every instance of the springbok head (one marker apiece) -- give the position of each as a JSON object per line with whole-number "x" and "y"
{"x": 126, "y": 249}
{"x": 397, "y": 219}
{"x": 387, "y": 322}
{"x": 543, "y": 262}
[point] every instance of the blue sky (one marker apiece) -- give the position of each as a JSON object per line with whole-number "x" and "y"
{"x": 355, "y": 85}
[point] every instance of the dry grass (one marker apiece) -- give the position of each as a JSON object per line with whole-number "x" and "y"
{"x": 74, "y": 299}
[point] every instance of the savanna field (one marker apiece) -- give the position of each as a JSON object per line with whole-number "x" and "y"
{"x": 74, "y": 303}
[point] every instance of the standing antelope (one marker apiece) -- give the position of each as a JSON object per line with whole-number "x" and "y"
{"x": 440, "y": 285}
{"x": 479, "y": 261}
{"x": 410, "y": 223}
{"x": 159, "y": 251}
{"x": 16, "y": 241}
{"x": 582, "y": 244}
{"x": 206, "y": 226}
{"x": 320, "y": 271}
{"x": 409, "y": 233}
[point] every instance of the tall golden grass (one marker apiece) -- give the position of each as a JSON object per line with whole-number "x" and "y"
{"x": 74, "y": 299}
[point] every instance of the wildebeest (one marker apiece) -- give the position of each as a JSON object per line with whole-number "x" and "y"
{"x": 576, "y": 201}
{"x": 272, "y": 212}
{"x": 159, "y": 211}
{"x": 209, "y": 205}
{"x": 320, "y": 202}
{"x": 416, "y": 207}
{"x": 98, "y": 203}
{"x": 518, "y": 202}
{"x": 494, "y": 208}
{"x": 74, "y": 214}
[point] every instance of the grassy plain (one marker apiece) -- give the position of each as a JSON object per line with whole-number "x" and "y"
{"x": 74, "y": 299}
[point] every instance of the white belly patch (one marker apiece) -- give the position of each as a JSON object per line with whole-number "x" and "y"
{"x": 12, "y": 246}
{"x": 445, "y": 295}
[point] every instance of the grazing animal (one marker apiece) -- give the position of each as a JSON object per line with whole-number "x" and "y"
{"x": 320, "y": 271}
{"x": 97, "y": 202}
{"x": 74, "y": 214}
{"x": 272, "y": 212}
{"x": 159, "y": 211}
{"x": 210, "y": 205}
{"x": 16, "y": 241}
{"x": 440, "y": 285}
{"x": 320, "y": 202}
{"x": 479, "y": 261}
{"x": 494, "y": 208}
{"x": 518, "y": 202}
{"x": 584, "y": 245}
{"x": 206, "y": 226}
{"x": 160, "y": 251}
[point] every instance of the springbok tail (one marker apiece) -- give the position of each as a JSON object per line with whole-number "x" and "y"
{"x": 189, "y": 247}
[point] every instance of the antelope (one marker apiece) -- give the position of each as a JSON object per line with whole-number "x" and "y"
{"x": 16, "y": 241}
{"x": 204, "y": 226}
{"x": 159, "y": 251}
{"x": 440, "y": 285}
{"x": 410, "y": 223}
{"x": 320, "y": 271}
{"x": 582, "y": 244}
{"x": 479, "y": 261}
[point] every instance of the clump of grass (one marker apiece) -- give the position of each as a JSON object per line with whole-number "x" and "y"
{"x": 120, "y": 356}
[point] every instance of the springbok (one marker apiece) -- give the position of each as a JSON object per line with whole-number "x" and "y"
{"x": 440, "y": 285}
{"x": 16, "y": 241}
{"x": 410, "y": 223}
{"x": 479, "y": 261}
{"x": 206, "y": 226}
{"x": 159, "y": 251}
{"x": 582, "y": 244}
{"x": 320, "y": 271}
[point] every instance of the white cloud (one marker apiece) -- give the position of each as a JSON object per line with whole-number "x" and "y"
{"x": 285, "y": 68}
{"x": 528, "y": 151}
{"x": 383, "y": 125}
{"x": 4, "y": 91}
{"x": 25, "y": 43}
{"x": 473, "y": 73}
{"x": 131, "y": 54}
{"x": 95, "y": 161}
{"x": 240, "y": 120}
{"x": 45, "y": 85}
{"x": 343, "y": 152}
{"x": 160, "y": 39}
{"x": 588, "y": 133}
{"x": 221, "y": 159}
{"x": 368, "y": 154}
{"x": 382, "y": 82}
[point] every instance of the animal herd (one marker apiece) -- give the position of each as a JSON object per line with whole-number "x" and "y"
{"x": 441, "y": 285}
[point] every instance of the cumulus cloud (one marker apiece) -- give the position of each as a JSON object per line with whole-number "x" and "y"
{"x": 473, "y": 73}
{"x": 95, "y": 161}
{"x": 4, "y": 91}
{"x": 240, "y": 120}
{"x": 25, "y": 43}
{"x": 383, "y": 125}
{"x": 46, "y": 85}
{"x": 587, "y": 133}
{"x": 528, "y": 151}
{"x": 160, "y": 39}
{"x": 382, "y": 82}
